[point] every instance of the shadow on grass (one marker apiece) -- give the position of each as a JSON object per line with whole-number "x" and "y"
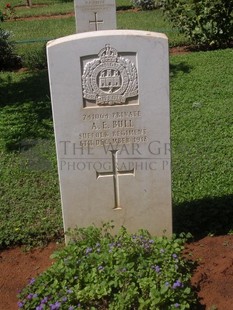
{"x": 181, "y": 67}
{"x": 204, "y": 216}
{"x": 35, "y": 86}
{"x": 124, "y": 7}
{"x": 25, "y": 108}
{"x": 31, "y": 87}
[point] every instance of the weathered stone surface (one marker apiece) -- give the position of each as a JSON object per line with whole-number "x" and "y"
{"x": 92, "y": 15}
{"x": 110, "y": 99}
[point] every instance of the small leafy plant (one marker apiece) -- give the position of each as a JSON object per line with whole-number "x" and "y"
{"x": 8, "y": 58}
{"x": 206, "y": 22}
{"x": 35, "y": 58}
{"x": 7, "y": 13}
{"x": 99, "y": 271}
{"x": 145, "y": 5}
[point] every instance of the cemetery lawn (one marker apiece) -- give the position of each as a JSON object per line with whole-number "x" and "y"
{"x": 37, "y": 25}
{"x": 201, "y": 128}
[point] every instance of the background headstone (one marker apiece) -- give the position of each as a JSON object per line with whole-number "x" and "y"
{"x": 110, "y": 99}
{"x": 92, "y": 15}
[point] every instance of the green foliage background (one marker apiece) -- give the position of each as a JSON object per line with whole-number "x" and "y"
{"x": 206, "y": 22}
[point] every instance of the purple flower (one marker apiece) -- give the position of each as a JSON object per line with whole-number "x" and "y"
{"x": 43, "y": 301}
{"x": 71, "y": 308}
{"x": 30, "y": 296}
{"x": 176, "y": 284}
{"x": 167, "y": 283}
{"x": 100, "y": 267}
{"x": 88, "y": 250}
{"x": 31, "y": 281}
{"x": 156, "y": 268}
{"x": 69, "y": 291}
{"x": 151, "y": 241}
{"x": 174, "y": 256}
{"x": 34, "y": 295}
{"x": 20, "y": 304}
{"x": 176, "y": 305}
{"x": 64, "y": 299}
{"x": 40, "y": 307}
{"x": 55, "y": 306}
{"x": 162, "y": 251}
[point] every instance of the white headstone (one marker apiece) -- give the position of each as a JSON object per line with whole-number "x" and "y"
{"x": 110, "y": 99}
{"x": 92, "y": 15}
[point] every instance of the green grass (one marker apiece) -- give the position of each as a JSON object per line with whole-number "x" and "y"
{"x": 24, "y": 32}
{"x": 28, "y": 29}
{"x": 201, "y": 113}
{"x": 29, "y": 197}
{"x": 34, "y": 2}
{"x": 54, "y": 28}
{"x": 202, "y": 121}
{"x": 30, "y": 205}
{"x": 202, "y": 128}
{"x": 150, "y": 21}
{"x": 55, "y": 9}
{"x": 51, "y": 7}
{"x": 35, "y": 29}
{"x": 51, "y": 2}
{"x": 43, "y": 30}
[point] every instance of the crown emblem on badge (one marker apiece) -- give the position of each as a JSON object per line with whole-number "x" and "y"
{"x": 109, "y": 79}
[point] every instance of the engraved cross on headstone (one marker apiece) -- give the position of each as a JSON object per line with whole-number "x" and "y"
{"x": 115, "y": 173}
{"x": 96, "y": 22}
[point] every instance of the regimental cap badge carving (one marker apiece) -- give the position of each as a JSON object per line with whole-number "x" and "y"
{"x": 109, "y": 79}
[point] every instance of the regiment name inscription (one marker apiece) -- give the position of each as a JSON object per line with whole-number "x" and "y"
{"x": 113, "y": 128}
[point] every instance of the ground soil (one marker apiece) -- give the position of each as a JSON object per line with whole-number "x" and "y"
{"x": 17, "y": 267}
{"x": 212, "y": 278}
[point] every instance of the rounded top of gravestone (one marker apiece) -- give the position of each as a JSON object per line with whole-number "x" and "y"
{"x": 107, "y": 33}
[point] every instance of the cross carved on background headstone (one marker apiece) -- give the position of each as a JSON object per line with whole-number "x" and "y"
{"x": 96, "y": 22}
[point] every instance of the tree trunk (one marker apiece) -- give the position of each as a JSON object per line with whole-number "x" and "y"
{"x": 29, "y": 3}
